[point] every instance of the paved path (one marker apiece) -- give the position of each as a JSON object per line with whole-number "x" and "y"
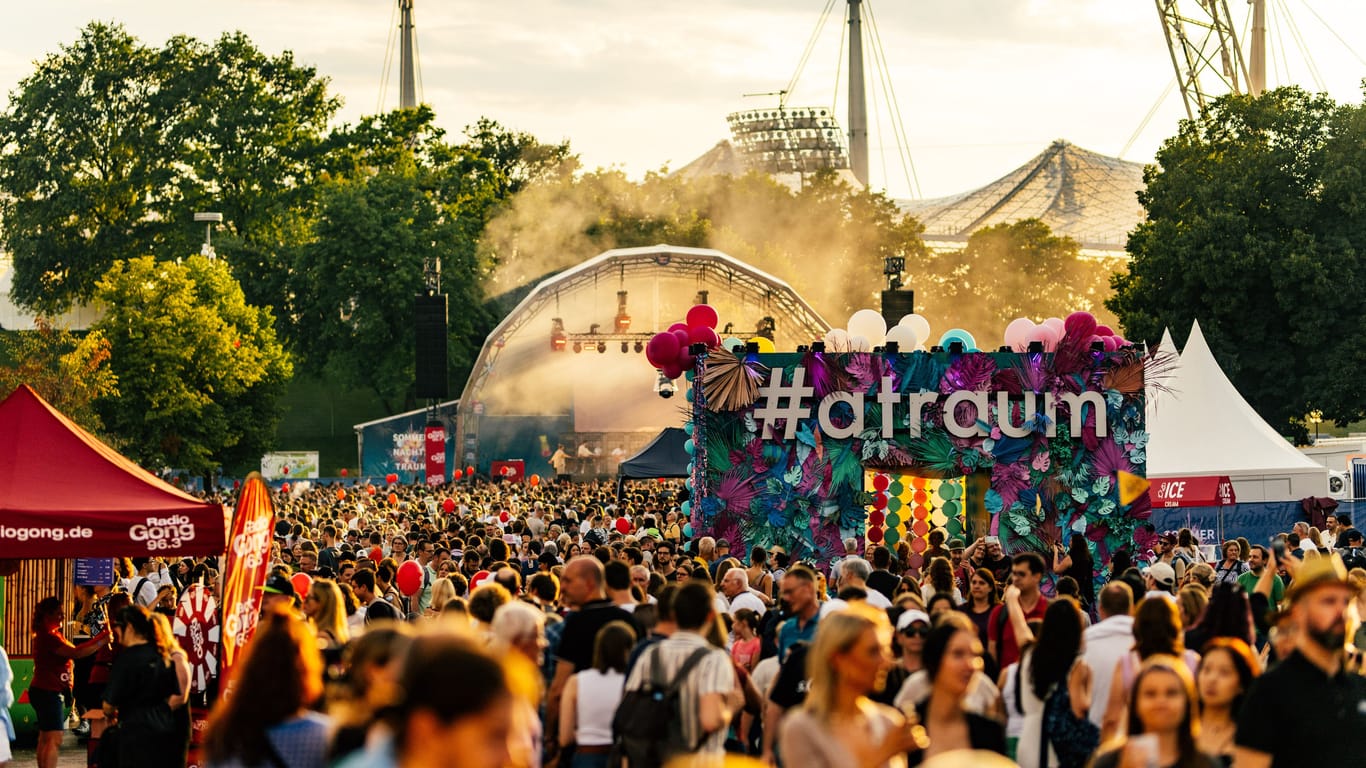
{"x": 72, "y": 755}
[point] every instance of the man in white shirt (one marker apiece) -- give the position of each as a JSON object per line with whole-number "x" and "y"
{"x": 735, "y": 585}
{"x": 150, "y": 576}
{"x": 1107, "y": 641}
{"x": 853, "y": 572}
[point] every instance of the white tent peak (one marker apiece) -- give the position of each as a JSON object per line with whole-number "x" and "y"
{"x": 1205, "y": 427}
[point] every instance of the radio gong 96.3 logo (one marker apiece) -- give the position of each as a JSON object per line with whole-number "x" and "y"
{"x": 160, "y": 533}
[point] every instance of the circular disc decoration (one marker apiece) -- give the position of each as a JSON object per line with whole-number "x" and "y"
{"x": 880, "y": 501}
{"x": 939, "y": 519}
{"x": 893, "y": 504}
{"x": 920, "y": 497}
{"x": 918, "y": 482}
{"x": 952, "y": 509}
{"x": 893, "y": 536}
{"x": 893, "y": 520}
{"x": 880, "y": 482}
{"x": 916, "y": 561}
{"x": 920, "y": 528}
{"x": 948, "y": 490}
{"x": 876, "y": 518}
{"x": 922, "y": 512}
{"x": 918, "y": 545}
{"x": 875, "y": 535}
{"x": 955, "y": 527}
{"x": 896, "y": 488}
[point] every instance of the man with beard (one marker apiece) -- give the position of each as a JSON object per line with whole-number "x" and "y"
{"x": 1308, "y": 710}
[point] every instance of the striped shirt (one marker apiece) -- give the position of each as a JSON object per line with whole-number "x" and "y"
{"x": 713, "y": 674}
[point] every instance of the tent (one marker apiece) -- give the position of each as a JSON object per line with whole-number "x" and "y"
{"x": 1204, "y": 427}
{"x": 663, "y": 457}
{"x": 65, "y": 494}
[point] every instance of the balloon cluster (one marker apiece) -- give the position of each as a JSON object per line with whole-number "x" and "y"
{"x": 669, "y": 351}
{"x": 1081, "y": 326}
{"x": 867, "y": 329}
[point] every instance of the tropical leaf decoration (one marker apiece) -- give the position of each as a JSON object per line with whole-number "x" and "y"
{"x": 823, "y": 374}
{"x": 731, "y": 384}
{"x": 934, "y": 451}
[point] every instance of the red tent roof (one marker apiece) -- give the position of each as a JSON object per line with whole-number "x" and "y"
{"x": 64, "y": 493}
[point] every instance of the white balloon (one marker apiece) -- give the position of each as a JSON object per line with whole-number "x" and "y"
{"x": 916, "y": 323}
{"x": 860, "y": 344}
{"x": 869, "y": 324}
{"x": 837, "y": 340}
{"x": 904, "y": 337}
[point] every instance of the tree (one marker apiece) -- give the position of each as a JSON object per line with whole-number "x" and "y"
{"x": 200, "y": 370}
{"x": 110, "y": 145}
{"x": 69, "y": 371}
{"x": 519, "y": 158}
{"x": 1005, "y": 271}
{"x": 401, "y": 198}
{"x": 1254, "y": 228}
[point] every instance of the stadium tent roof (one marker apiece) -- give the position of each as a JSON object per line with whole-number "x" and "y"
{"x": 1204, "y": 427}
{"x": 1085, "y": 195}
{"x": 64, "y": 494}
{"x": 663, "y": 457}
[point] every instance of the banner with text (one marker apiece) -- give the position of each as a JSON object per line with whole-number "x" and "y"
{"x": 248, "y": 562}
{"x": 436, "y": 454}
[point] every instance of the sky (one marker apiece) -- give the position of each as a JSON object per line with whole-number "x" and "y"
{"x": 981, "y": 85}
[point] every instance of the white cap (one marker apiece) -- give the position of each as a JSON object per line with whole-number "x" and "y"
{"x": 909, "y": 617}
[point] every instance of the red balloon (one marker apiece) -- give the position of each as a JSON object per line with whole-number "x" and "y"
{"x": 662, "y": 348}
{"x": 393, "y": 498}
{"x": 370, "y": 489}
{"x": 391, "y": 478}
{"x": 503, "y": 517}
{"x": 284, "y": 487}
{"x": 285, "y": 470}
{"x": 409, "y": 578}
{"x": 236, "y": 484}
{"x": 678, "y": 327}
{"x": 702, "y": 316}
{"x": 479, "y": 578}
{"x": 470, "y": 470}
{"x": 448, "y": 505}
{"x": 880, "y": 482}
{"x": 684, "y": 339}
{"x": 623, "y": 525}
{"x": 671, "y": 371}
{"x": 301, "y": 582}
{"x": 875, "y": 535}
{"x": 876, "y": 518}
{"x": 377, "y": 554}
{"x": 341, "y": 494}
{"x": 344, "y": 472}
{"x": 459, "y": 473}
{"x": 879, "y": 501}
{"x": 535, "y": 480}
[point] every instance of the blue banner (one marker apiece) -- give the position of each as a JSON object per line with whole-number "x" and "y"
{"x": 1255, "y": 521}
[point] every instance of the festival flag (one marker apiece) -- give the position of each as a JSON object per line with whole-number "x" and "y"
{"x": 1131, "y": 487}
{"x": 248, "y": 563}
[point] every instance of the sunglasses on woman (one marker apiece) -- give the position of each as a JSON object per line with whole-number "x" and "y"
{"x": 914, "y": 631}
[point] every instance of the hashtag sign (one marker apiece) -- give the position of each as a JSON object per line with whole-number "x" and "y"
{"x": 782, "y": 403}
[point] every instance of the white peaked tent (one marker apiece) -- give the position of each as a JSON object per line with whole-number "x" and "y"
{"x": 1204, "y": 427}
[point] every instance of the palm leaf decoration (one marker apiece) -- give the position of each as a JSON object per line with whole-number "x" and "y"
{"x": 935, "y": 451}
{"x": 729, "y": 383}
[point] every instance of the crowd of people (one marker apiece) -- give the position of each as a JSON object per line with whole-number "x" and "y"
{"x": 566, "y": 625}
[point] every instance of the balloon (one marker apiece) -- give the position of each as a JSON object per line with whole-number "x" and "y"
{"x": 623, "y": 525}
{"x": 1044, "y": 334}
{"x": 686, "y": 507}
{"x": 448, "y": 505}
{"x": 869, "y": 324}
{"x": 677, "y": 327}
{"x": 284, "y": 487}
{"x": 683, "y": 338}
{"x": 236, "y": 484}
{"x": 671, "y": 371}
{"x": 1103, "y": 331}
{"x": 687, "y": 430}
{"x": 905, "y": 338}
{"x": 733, "y": 344}
{"x": 377, "y": 554}
{"x": 703, "y": 335}
{"x": 479, "y": 578}
{"x": 920, "y": 325}
{"x": 860, "y": 344}
{"x": 370, "y": 489}
{"x": 301, "y": 582}
{"x": 458, "y": 473}
{"x": 662, "y": 348}
{"x": 409, "y": 578}
{"x": 879, "y": 501}
{"x": 958, "y": 334}
{"x": 1017, "y": 333}
{"x": 881, "y": 482}
{"x": 685, "y": 359}
{"x": 391, "y": 478}
{"x": 876, "y": 518}
{"x": 1110, "y": 344}
{"x": 341, "y": 494}
{"x": 689, "y": 446}
{"x": 837, "y": 340}
{"x": 702, "y": 316}
{"x": 344, "y": 472}
{"x": 535, "y": 480}
{"x": 1056, "y": 322}
{"x": 470, "y": 470}
{"x": 766, "y": 345}
{"x": 393, "y": 498}
{"x": 1080, "y": 325}
{"x": 875, "y": 535}
{"x": 503, "y": 517}
{"x": 687, "y": 529}
{"x": 285, "y": 470}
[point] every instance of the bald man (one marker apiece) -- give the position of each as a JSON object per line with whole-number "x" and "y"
{"x": 583, "y": 587}
{"x": 735, "y": 585}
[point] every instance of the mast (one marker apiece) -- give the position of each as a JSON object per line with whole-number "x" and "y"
{"x": 1257, "y": 65}
{"x": 407, "y": 60}
{"x": 858, "y": 102}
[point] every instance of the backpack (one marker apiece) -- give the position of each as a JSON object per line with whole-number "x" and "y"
{"x": 647, "y": 729}
{"x": 1074, "y": 739}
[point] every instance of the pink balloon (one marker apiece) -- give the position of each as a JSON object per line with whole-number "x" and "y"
{"x": 1080, "y": 325}
{"x": 1017, "y": 333}
{"x": 685, "y": 360}
{"x": 700, "y": 334}
{"x": 713, "y": 339}
{"x": 1055, "y": 322}
{"x": 663, "y": 348}
{"x": 1104, "y": 330}
{"x": 683, "y": 338}
{"x": 702, "y": 316}
{"x": 678, "y": 327}
{"x": 671, "y": 371}
{"x": 1109, "y": 342}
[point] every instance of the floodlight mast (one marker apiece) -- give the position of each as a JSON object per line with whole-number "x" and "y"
{"x": 407, "y": 60}
{"x": 1204, "y": 51}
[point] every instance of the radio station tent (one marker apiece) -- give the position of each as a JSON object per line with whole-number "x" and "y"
{"x": 65, "y": 494}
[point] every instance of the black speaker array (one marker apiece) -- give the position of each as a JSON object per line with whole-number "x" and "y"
{"x": 896, "y": 305}
{"x": 429, "y": 317}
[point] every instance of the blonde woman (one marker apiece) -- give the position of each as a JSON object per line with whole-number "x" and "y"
{"x": 443, "y": 590}
{"x": 839, "y": 725}
{"x": 327, "y": 613}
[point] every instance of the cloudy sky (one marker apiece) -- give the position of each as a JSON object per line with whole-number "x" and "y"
{"x": 983, "y": 85}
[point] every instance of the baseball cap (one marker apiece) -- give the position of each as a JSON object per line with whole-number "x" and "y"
{"x": 277, "y": 585}
{"x": 956, "y": 545}
{"x": 1318, "y": 571}
{"x": 1162, "y": 573}
{"x": 722, "y": 543}
{"x": 909, "y": 617}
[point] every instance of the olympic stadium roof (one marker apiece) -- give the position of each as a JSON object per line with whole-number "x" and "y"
{"x": 1090, "y": 197}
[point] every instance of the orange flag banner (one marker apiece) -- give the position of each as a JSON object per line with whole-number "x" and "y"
{"x": 248, "y": 563}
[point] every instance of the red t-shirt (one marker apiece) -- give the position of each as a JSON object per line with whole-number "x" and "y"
{"x": 51, "y": 672}
{"x": 1007, "y": 648}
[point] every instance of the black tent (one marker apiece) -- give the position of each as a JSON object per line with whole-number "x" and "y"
{"x": 663, "y": 457}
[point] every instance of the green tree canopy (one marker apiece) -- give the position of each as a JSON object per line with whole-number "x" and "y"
{"x": 70, "y": 371}
{"x": 110, "y": 145}
{"x": 200, "y": 369}
{"x": 1254, "y": 228}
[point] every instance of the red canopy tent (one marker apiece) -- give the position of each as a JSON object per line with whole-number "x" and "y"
{"x": 65, "y": 494}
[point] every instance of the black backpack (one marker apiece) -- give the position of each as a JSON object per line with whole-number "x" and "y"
{"x": 647, "y": 729}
